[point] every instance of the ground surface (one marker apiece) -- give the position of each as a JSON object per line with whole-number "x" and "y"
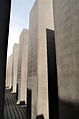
{"x": 11, "y": 109}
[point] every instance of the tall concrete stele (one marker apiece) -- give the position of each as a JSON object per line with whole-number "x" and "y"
{"x": 15, "y": 66}
{"x": 22, "y": 66}
{"x": 41, "y": 18}
{"x": 9, "y": 72}
{"x": 4, "y": 29}
{"x": 66, "y": 13}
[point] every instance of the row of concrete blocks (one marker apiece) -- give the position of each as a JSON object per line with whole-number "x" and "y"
{"x": 16, "y": 73}
{"x": 27, "y": 66}
{"x": 32, "y": 62}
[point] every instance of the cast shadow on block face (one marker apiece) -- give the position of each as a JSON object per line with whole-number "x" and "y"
{"x": 68, "y": 110}
{"x": 29, "y": 103}
{"x": 52, "y": 75}
{"x": 67, "y": 44}
{"x": 17, "y": 92}
{"x": 40, "y": 117}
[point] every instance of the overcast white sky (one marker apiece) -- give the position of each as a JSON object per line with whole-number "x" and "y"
{"x": 19, "y": 19}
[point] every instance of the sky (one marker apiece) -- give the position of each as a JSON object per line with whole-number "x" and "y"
{"x": 19, "y": 19}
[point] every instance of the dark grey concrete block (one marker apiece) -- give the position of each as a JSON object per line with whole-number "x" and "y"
{"x": 66, "y": 17}
{"x": 4, "y": 28}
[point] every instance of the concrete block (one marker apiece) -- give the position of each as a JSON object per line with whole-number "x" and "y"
{"x": 22, "y": 66}
{"x": 15, "y": 67}
{"x": 4, "y": 28}
{"x": 9, "y": 72}
{"x": 66, "y": 17}
{"x": 41, "y": 18}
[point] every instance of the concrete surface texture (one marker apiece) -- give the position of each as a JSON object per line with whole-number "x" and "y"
{"x": 22, "y": 66}
{"x": 66, "y": 19}
{"x": 41, "y": 17}
{"x": 15, "y": 66}
{"x": 9, "y": 72}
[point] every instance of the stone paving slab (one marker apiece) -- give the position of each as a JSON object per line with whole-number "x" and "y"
{"x": 11, "y": 109}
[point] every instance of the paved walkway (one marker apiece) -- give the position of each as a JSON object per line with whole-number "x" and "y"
{"x": 11, "y": 109}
